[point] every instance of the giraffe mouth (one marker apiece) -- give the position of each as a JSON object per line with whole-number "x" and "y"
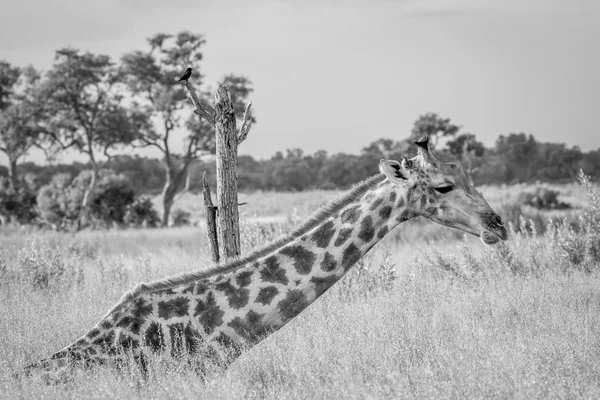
{"x": 493, "y": 229}
{"x": 489, "y": 238}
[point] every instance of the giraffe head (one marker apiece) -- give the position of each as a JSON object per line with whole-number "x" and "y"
{"x": 442, "y": 193}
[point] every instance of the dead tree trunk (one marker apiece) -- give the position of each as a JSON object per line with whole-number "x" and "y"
{"x": 228, "y": 220}
{"x": 83, "y": 219}
{"x": 211, "y": 220}
{"x": 12, "y": 172}
{"x": 226, "y": 241}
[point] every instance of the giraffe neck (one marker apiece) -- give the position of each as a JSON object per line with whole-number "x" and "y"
{"x": 298, "y": 273}
{"x": 241, "y": 303}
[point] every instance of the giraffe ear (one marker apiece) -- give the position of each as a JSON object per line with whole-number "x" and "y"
{"x": 393, "y": 170}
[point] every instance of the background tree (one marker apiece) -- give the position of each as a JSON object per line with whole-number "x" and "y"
{"x": 388, "y": 149}
{"x": 557, "y": 162}
{"x": 9, "y": 76}
{"x": 150, "y": 76}
{"x": 435, "y": 126}
{"x": 468, "y": 151}
{"x": 85, "y": 102}
{"x": 518, "y": 152}
{"x": 20, "y": 115}
{"x": 292, "y": 173}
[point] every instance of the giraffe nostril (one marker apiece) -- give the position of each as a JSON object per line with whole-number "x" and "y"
{"x": 496, "y": 220}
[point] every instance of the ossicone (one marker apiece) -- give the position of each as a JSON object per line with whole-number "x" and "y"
{"x": 423, "y": 142}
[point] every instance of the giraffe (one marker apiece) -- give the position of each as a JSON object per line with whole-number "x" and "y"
{"x": 235, "y": 305}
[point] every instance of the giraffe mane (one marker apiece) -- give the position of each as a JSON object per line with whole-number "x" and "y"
{"x": 323, "y": 213}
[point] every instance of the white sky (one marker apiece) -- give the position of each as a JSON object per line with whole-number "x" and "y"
{"x": 336, "y": 75}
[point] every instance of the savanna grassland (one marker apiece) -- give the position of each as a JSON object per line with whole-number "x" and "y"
{"x": 428, "y": 313}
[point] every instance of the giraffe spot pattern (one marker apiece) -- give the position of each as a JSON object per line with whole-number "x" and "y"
{"x": 350, "y": 256}
{"x": 322, "y": 284}
{"x": 272, "y": 272}
{"x": 202, "y": 287}
{"x": 265, "y": 295}
{"x": 392, "y": 197}
{"x": 244, "y": 279}
{"x": 343, "y": 235}
{"x": 252, "y": 327}
{"x": 351, "y": 215}
{"x": 184, "y": 339}
{"x": 75, "y": 355}
{"x": 329, "y": 263}
{"x": 209, "y": 313}
{"x": 107, "y": 323}
{"x": 93, "y": 333}
{"x": 189, "y": 289}
{"x": 323, "y": 235}
{"x": 105, "y": 340}
{"x": 376, "y": 204}
{"x": 224, "y": 340}
{"x": 140, "y": 312}
{"x": 237, "y": 298}
{"x": 165, "y": 292}
{"x": 423, "y": 201}
{"x": 60, "y": 354}
{"x": 153, "y": 337}
{"x": 382, "y": 232}
{"x": 367, "y": 231}
{"x": 430, "y": 210}
{"x": 385, "y": 212}
{"x": 177, "y": 342}
{"x": 125, "y": 321}
{"x": 90, "y": 351}
{"x": 125, "y": 342}
{"x": 405, "y": 215}
{"x": 177, "y": 307}
{"x": 400, "y": 202}
{"x": 303, "y": 258}
{"x": 294, "y": 302}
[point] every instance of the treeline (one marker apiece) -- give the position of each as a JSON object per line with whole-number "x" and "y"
{"x": 515, "y": 158}
{"x": 99, "y": 107}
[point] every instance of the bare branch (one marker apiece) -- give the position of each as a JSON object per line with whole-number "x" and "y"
{"x": 246, "y": 124}
{"x": 56, "y": 139}
{"x": 186, "y": 188}
{"x": 211, "y": 220}
{"x": 147, "y": 143}
{"x": 200, "y": 109}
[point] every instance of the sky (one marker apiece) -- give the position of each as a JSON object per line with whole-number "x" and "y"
{"x": 337, "y": 75}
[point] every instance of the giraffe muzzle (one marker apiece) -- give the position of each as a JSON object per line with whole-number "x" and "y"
{"x": 494, "y": 229}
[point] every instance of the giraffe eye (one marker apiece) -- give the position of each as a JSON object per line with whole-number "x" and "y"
{"x": 444, "y": 189}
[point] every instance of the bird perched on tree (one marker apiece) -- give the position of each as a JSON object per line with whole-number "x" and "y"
{"x": 185, "y": 76}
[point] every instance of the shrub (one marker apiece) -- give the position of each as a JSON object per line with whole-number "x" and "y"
{"x": 543, "y": 198}
{"x": 54, "y": 202}
{"x": 582, "y": 246}
{"x": 18, "y": 205}
{"x": 180, "y": 217}
{"x": 111, "y": 199}
{"x": 45, "y": 266}
{"x": 60, "y": 201}
{"x": 141, "y": 213}
{"x": 514, "y": 213}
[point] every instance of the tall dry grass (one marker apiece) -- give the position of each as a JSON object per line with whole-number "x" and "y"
{"x": 449, "y": 319}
